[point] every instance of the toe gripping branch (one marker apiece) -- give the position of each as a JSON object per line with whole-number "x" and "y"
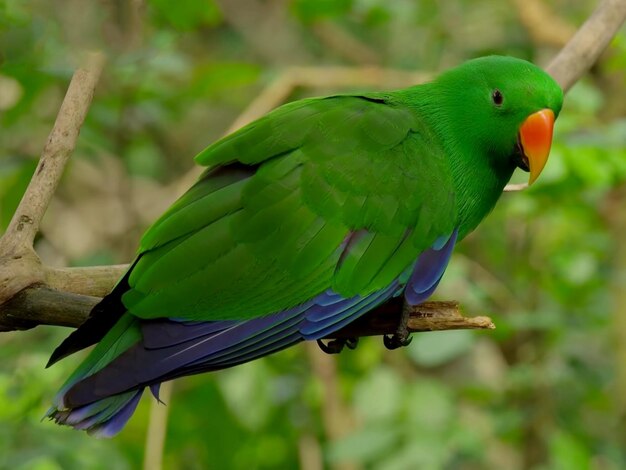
{"x": 396, "y": 321}
{"x": 402, "y": 336}
{"x": 335, "y": 346}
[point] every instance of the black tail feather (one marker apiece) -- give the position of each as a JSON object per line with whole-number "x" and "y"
{"x": 100, "y": 320}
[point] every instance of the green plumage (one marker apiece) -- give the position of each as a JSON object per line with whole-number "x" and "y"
{"x": 328, "y": 167}
{"x": 408, "y": 162}
{"x": 339, "y": 194}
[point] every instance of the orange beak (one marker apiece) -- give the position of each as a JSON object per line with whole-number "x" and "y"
{"x": 535, "y": 136}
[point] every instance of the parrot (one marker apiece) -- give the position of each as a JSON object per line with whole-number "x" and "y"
{"x": 303, "y": 221}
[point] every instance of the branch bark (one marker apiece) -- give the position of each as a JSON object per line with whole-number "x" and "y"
{"x": 20, "y": 266}
{"x": 60, "y": 144}
{"x": 45, "y": 306}
{"x": 32, "y": 294}
{"x": 584, "y": 49}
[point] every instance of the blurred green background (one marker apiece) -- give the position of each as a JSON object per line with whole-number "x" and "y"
{"x": 545, "y": 390}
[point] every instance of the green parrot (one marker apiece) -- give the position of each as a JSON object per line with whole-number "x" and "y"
{"x": 303, "y": 221}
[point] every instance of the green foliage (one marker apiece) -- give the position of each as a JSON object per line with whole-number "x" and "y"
{"x": 311, "y": 10}
{"x": 15, "y": 175}
{"x": 539, "y": 392}
{"x": 186, "y": 15}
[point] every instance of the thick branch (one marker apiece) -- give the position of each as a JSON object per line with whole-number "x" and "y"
{"x": 40, "y": 305}
{"x": 45, "y": 306}
{"x": 96, "y": 280}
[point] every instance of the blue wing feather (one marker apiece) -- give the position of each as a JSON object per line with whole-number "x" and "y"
{"x": 428, "y": 270}
{"x": 173, "y": 348}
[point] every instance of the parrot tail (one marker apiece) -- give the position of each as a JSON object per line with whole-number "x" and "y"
{"x": 104, "y": 417}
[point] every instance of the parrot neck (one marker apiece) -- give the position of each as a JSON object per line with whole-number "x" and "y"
{"x": 478, "y": 186}
{"x": 478, "y": 178}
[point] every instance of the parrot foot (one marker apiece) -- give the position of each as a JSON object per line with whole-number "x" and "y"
{"x": 335, "y": 346}
{"x": 396, "y": 341}
{"x": 402, "y": 337}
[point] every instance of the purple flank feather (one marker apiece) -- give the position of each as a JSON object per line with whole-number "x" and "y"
{"x": 337, "y": 318}
{"x": 102, "y": 403}
{"x": 273, "y": 344}
{"x": 329, "y": 304}
{"x": 140, "y": 366}
{"x": 263, "y": 338}
{"x": 328, "y": 298}
{"x": 428, "y": 271}
{"x": 160, "y": 333}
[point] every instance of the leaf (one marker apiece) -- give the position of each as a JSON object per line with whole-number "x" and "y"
{"x": 14, "y": 178}
{"x": 568, "y": 453}
{"x": 186, "y": 14}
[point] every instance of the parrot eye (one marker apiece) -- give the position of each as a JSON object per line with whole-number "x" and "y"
{"x": 497, "y": 97}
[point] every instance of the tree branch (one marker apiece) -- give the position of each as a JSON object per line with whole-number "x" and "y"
{"x": 32, "y": 294}
{"x": 20, "y": 266}
{"x": 95, "y": 280}
{"x": 584, "y": 49}
{"x": 44, "y": 306}
{"x": 60, "y": 144}
{"x": 40, "y": 305}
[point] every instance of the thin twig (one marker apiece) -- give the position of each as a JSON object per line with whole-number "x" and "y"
{"x": 341, "y": 42}
{"x": 513, "y": 187}
{"x": 309, "y": 453}
{"x": 615, "y": 219}
{"x": 336, "y": 416}
{"x": 157, "y": 428}
{"x": 429, "y": 316}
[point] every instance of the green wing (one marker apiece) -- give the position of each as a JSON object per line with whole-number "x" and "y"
{"x": 341, "y": 192}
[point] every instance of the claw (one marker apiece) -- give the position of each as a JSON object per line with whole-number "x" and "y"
{"x": 402, "y": 337}
{"x": 395, "y": 341}
{"x": 335, "y": 346}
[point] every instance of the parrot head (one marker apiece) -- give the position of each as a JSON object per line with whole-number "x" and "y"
{"x": 504, "y": 107}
